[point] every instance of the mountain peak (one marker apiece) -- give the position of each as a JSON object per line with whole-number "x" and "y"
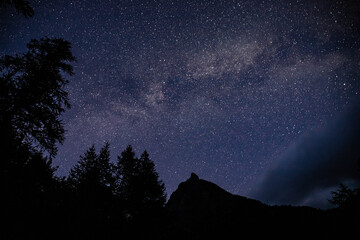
{"x": 196, "y": 195}
{"x": 194, "y": 177}
{"x": 201, "y": 209}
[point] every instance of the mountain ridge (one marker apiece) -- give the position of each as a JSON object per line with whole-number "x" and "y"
{"x": 199, "y": 209}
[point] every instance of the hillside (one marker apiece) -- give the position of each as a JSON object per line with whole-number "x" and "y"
{"x": 199, "y": 209}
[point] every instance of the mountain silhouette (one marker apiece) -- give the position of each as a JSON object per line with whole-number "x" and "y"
{"x": 199, "y": 209}
{"x": 199, "y": 198}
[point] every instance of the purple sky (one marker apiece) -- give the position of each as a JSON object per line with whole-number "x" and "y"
{"x": 230, "y": 90}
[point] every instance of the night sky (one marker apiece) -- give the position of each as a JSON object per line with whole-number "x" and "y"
{"x": 259, "y": 97}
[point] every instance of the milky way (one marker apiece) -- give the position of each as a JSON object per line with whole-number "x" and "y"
{"x": 220, "y": 88}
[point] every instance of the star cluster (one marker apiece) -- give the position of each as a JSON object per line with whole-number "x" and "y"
{"x": 220, "y": 88}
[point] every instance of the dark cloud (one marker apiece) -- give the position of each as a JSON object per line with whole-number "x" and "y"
{"x": 315, "y": 164}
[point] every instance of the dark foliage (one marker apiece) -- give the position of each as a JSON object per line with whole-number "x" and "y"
{"x": 32, "y": 94}
{"x": 138, "y": 183}
{"x": 109, "y": 199}
{"x": 93, "y": 172}
{"x": 343, "y": 195}
{"x": 21, "y": 6}
{"x": 32, "y": 97}
{"x": 152, "y": 191}
{"x": 91, "y": 182}
{"x": 141, "y": 194}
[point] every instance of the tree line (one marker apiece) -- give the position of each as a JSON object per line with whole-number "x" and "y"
{"x": 99, "y": 198}
{"x": 97, "y": 193}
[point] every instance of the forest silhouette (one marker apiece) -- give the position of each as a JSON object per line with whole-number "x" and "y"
{"x": 125, "y": 199}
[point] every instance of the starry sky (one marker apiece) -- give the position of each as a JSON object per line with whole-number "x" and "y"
{"x": 259, "y": 97}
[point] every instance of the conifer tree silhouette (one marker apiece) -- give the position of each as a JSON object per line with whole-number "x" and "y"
{"x": 138, "y": 184}
{"x": 91, "y": 181}
{"x": 126, "y": 178}
{"x": 93, "y": 172}
{"x": 153, "y": 189}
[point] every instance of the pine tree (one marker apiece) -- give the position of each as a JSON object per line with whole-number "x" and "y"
{"x": 126, "y": 174}
{"x": 106, "y": 168}
{"x": 93, "y": 172}
{"x": 153, "y": 188}
{"x": 342, "y": 195}
{"x": 91, "y": 181}
{"x": 81, "y": 175}
{"x": 139, "y": 184}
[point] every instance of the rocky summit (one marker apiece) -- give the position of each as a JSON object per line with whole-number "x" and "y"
{"x": 199, "y": 209}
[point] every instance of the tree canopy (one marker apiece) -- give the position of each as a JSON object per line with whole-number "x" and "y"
{"x": 33, "y": 96}
{"x": 21, "y": 6}
{"x": 139, "y": 183}
{"x": 93, "y": 172}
